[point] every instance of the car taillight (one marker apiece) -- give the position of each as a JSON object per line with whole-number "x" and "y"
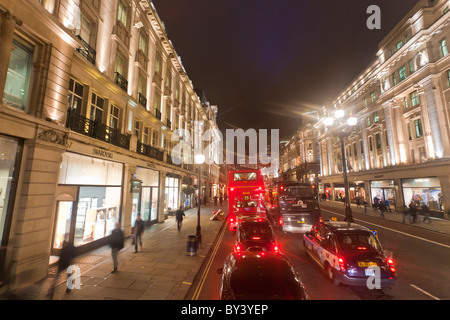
{"x": 276, "y": 249}
{"x": 320, "y": 219}
{"x": 391, "y": 265}
{"x": 237, "y": 248}
{"x": 341, "y": 264}
{"x": 280, "y": 221}
{"x": 256, "y": 238}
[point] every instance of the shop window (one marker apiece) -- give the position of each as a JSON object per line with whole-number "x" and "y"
{"x": 98, "y": 211}
{"x": 82, "y": 170}
{"x": 8, "y": 151}
{"x": 17, "y": 84}
{"x": 171, "y": 194}
{"x": 423, "y": 191}
{"x": 62, "y": 225}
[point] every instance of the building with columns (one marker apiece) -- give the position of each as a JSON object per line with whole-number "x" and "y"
{"x": 91, "y": 93}
{"x": 400, "y": 148}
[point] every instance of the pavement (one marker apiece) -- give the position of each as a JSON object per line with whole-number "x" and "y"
{"x": 437, "y": 225}
{"x": 162, "y": 270}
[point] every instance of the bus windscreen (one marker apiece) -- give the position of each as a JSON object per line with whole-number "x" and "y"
{"x": 245, "y": 176}
{"x": 300, "y": 192}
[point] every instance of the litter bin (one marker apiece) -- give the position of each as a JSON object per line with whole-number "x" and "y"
{"x": 192, "y": 246}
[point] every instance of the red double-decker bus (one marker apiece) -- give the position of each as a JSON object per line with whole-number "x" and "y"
{"x": 245, "y": 196}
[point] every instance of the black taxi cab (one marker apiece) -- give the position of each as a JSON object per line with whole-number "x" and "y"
{"x": 350, "y": 254}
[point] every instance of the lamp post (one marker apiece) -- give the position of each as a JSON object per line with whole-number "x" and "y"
{"x": 199, "y": 159}
{"x": 351, "y": 122}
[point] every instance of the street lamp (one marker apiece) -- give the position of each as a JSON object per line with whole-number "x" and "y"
{"x": 351, "y": 122}
{"x": 199, "y": 159}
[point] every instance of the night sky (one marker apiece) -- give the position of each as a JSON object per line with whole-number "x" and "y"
{"x": 266, "y": 62}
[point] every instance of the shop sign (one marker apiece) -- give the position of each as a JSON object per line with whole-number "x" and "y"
{"x": 102, "y": 153}
{"x": 136, "y": 186}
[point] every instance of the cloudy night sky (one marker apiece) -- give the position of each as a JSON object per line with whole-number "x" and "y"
{"x": 265, "y": 62}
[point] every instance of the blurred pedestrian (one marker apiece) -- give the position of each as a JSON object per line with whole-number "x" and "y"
{"x": 215, "y": 200}
{"x": 179, "y": 216}
{"x": 382, "y": 208}
{"x": 116, "y": 243}
{"x": 426, "y": 213}
{"x": 221, "y": 200}
{"x": 406, "y": 214}
{"x": 413, "y": 211}
{"x": 139, "y": 231}
{"x": 67, "y": 254}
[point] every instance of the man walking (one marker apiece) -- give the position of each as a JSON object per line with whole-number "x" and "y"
{"x": 116, "y": 244}
{"x": 179, "y": 216}
{"x": 139, "y": 231}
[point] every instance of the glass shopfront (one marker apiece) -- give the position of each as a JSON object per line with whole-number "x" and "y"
{"x": 10, "y": 149}
{"x": 145, "y": 198}
{"x": 383, "y": 190}
{"x": 424, "y": 190}
{"x": 96, "y": 209}
{"x": 172, "y": 193}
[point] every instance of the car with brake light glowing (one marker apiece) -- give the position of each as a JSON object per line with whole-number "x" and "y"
{"x": 254, "y": 235}
{"x": 349, "y": 254}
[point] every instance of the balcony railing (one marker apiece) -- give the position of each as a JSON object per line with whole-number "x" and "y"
{"x": 170, "y": 161}
{"x": 97, "y": 130}
{"x": 87, "y": 51}
{"x": 149, "y": 151}
{"x": 157, "y": 114}
{"x": 121, "y": 81}
{"x": 142, "y": 100}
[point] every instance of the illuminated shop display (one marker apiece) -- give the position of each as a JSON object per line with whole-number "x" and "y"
{"x": 93, "y": 214}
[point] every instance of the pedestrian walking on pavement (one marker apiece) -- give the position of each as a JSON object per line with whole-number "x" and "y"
{"x": 139, "y": 231}
{"x": 221, "y": 199}
{"x": 426, "y": 213}
{"x": 179, "y": 216}
{"x": 382, "y": 208}
{"x": 406, "y": 214}
{"x": 67, "y": 254}
{"x": 413, "y": 211}
{"x": 116, "y": 243}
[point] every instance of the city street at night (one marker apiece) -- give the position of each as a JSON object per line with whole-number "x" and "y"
{"x": 219, "y": 158}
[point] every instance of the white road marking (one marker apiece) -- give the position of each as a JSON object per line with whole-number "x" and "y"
{"x": 423, "y": 291}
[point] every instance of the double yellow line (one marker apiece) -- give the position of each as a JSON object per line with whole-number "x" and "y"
{"x": 209, "y": 263}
